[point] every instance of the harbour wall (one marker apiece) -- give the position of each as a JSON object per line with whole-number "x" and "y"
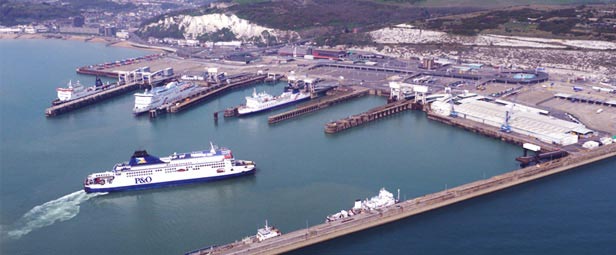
{"x": 327, "y": 231}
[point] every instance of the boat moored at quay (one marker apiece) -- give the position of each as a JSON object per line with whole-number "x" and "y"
{"x": 155, "y": 97}
{"x": 145, "y": 171}
{"x": 382, "y": 200}
{"x": 75, "y": 91}
{"x": 264, "y": 233}
{"x": 263, "y": 101}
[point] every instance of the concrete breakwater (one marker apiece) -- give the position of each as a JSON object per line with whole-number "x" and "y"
{"x": 326, "y": 231}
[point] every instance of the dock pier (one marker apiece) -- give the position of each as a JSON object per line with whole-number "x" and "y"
{"x": 319, "y": 104}
{"x": 244, "y": 80}
{"x": 490, "y": 131}
{"x": 330, "y": 230}
{"x": 94, "y": 98}
{"x": 87, "y": 71}
{"x": 371, "y": 115}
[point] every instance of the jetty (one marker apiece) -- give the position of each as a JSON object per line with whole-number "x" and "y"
{"x": 113, "y": 91}
{"x": 209, "y": 91}
{"x": 371, "y": 115}
{"x": 337, "y": 96}
{"x": 330, "y": 230}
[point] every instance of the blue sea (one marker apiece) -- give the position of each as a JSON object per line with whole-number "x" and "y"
{"x": 303, "y": 175}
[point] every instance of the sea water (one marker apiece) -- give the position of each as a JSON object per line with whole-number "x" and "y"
{"x": 303, "y": 175}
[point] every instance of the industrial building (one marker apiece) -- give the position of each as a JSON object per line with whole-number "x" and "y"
{"x": 516, "y": 118}
{"x": 328, "y": 54}
{"x": 295, "y": 51}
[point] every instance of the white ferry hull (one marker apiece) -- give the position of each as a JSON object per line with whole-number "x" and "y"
{"x": 165, "y": 183}
{"x": 247, "y": 111}
{"x": 156, "y": 101}
{"x": 144, "y": 171}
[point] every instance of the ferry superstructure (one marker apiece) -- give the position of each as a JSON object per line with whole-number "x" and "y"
{"x": 382, "y": 200}
{"x": 75, "y": 91}
{"x": 263, "y": 101}
{"x": 144, "y": 171}
{"x": 153, "y": 98}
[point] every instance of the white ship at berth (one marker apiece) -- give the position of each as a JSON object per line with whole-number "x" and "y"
{"x": 154, "y": 98}
{"x": 263, "y": 101}
{"x": 382, "y": 200}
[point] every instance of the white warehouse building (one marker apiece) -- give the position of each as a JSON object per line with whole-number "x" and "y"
{"x": 523, "y": 120}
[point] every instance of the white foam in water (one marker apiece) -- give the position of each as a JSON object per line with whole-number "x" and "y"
{"x": 61, "y": 209}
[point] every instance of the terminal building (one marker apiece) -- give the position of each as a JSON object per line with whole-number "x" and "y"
{"x": 521, "y": 119}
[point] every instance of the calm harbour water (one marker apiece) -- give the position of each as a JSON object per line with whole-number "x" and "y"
{"x": 303, "y": 175}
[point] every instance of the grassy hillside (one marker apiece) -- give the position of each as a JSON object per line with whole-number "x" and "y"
{"x": 326, "y": 15}
{"x": 501, "y": 3}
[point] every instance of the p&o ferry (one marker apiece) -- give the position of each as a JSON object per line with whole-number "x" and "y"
{"x": 144, "y": 171}
{"x": 171, "y": 92}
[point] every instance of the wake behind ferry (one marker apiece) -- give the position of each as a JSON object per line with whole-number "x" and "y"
{"x": 144, "y": 171}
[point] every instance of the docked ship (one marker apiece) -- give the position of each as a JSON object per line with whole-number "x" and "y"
{"x": 263, "y": 234}
{"x": 144, "y": 171}
{"x": 263, "y": 101}
{"x": 382, "y": 200}
{"x": 155, "y": 97}
{"x": 76, "y": 91}
{"x": 267, "y": 232}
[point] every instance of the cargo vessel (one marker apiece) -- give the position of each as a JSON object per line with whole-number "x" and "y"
{"x": 144, "y": 171}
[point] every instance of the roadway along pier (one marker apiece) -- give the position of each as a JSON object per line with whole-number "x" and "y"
{"x": 319, "y": 104}
{"x": 326, "y": 231}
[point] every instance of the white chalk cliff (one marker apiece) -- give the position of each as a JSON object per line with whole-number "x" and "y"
{"x": 194, "y": 26}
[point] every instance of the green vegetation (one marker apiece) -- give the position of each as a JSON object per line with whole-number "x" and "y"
{"x": 326, "y": 16}
{"x": 23, "y": 13}
{"x": 331, "y": 22}
{"x": 173, "y": 31}
{"x": 559, "y": 26}
{"x": 525, "y": 21}
{"x": 15, "y": 13}
{"x": 222, "y": 35}
{"x": 190, "y": 12}
{"x": 249, "y": 1}
{"x": 349, "y": 39}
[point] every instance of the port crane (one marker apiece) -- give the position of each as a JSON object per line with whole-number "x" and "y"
{"x": 505, "y": 127}
{"x": 452, "y": 111}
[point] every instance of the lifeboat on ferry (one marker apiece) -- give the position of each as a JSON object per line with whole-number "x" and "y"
{"x": 220, "y": 170}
